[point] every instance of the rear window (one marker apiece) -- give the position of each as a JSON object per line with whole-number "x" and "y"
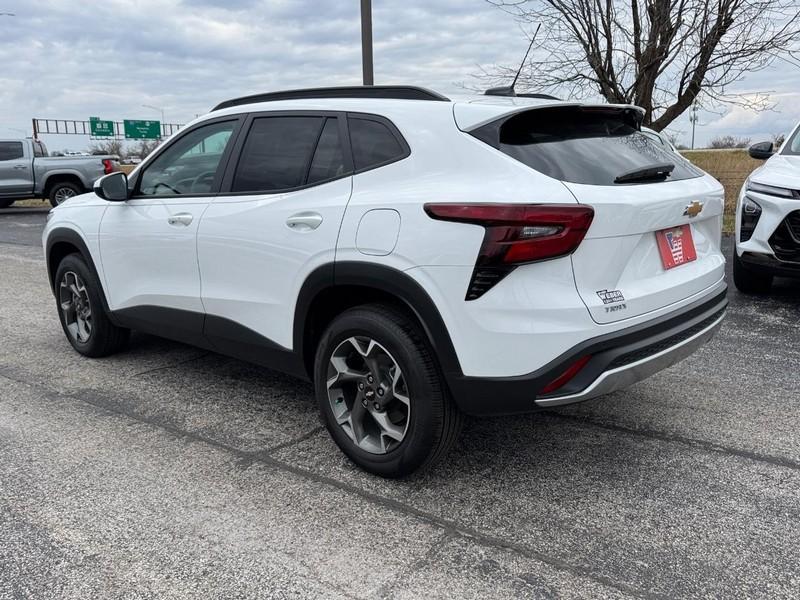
{"x": 587, "y": 146}
{"x": 10, "y": 150}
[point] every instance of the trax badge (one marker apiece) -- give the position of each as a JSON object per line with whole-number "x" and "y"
{"x": 693, "y": 209}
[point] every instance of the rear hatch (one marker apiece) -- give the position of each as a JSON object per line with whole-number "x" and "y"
{"x": 640, "y": 191}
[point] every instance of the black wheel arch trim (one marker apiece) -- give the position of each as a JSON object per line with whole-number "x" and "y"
{"x": 385, "y": 279}
{"x": 73, "y": 238}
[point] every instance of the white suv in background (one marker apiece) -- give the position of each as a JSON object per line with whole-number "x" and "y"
{"x": 416, "y": 257}
{"x": 768, "y": 218}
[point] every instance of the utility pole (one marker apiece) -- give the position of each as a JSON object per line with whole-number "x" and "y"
{"x": 366, "y": 42}
{"x": 693, "y": 119}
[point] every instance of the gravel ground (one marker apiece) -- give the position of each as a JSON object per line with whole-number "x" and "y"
{"x": 167, "y": 471}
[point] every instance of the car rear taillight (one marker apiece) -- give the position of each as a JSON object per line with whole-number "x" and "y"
{"x": 108, "y": 166}
{"x": 516, "y": 234}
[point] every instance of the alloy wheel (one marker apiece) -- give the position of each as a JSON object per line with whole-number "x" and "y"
{"x": 64, "y": 193}
{"x": 368, "y": 395}
{"x": 75, "y": 307}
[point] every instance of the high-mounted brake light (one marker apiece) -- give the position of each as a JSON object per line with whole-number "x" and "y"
{"x": 108, "y": 166}
{"x": 516, "y": 234}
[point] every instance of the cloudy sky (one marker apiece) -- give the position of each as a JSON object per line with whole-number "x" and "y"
{"x": 71, "y": 59}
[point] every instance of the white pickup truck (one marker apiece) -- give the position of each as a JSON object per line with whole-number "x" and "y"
{"x": 26, "y": 171}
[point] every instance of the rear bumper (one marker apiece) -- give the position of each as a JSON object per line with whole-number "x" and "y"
{"x": 618, "y": 360}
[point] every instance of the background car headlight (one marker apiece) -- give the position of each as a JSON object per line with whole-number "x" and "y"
{"x": 772, "y": 190}
{"x": 751, "y": 213}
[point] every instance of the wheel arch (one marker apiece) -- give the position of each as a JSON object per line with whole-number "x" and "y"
{"x": 331, "y": 289}
{"x": 53, "y": 179}
{"x": 62, "y": 242}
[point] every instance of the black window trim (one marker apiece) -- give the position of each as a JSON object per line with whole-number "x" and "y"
{"x": 221, "y": 167}
{"x": 236, "y": 155}
{"x": 392, "y": 129}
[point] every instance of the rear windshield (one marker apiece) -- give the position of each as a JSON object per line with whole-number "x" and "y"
{"x": 591, "y": 146}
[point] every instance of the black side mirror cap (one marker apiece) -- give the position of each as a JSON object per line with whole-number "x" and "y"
{"x": 761, "y": 150}
{"x": 112, "y": 187}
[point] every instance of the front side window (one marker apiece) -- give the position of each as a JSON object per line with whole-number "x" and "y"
{"x": 792, "y": 145}
{"x": 373, "y": 143}
{"x": 282, "y": 153}
{"x": 11, "y": 150}
{"x": 189, "y": 165}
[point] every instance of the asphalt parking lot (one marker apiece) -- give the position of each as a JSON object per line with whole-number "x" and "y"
{"x": 167, "y": 471}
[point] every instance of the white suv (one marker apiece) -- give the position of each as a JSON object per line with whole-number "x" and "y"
{"x": 416, "y": 257}
{"x": 768, "y": 218}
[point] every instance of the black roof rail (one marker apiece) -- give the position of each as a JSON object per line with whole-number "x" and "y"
{"x": 539, "y": 96}
{"x": 399, "y": 92}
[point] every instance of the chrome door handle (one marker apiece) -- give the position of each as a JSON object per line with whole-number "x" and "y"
{"x": 180, "y": 219}
{"x": 304, "y": 221}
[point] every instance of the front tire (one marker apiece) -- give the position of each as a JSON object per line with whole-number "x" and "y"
{"x": 63, "y": 191}
{"x": 747, "y": 281}
{"x": 81, "y": 312}
{"x": 380, "y": 392}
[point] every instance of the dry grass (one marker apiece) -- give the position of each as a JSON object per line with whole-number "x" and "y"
{"x": 731, "y": 168}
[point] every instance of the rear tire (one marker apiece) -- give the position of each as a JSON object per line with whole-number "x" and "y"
{"x": 6, "y": 203}
{"x": 375, "y": 354}
{"x": 62, "y": 191}
{"x": 747, "y": 281}
{"x": 81, "y": 312}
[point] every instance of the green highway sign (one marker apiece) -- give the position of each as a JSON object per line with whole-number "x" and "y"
{"x": 142, "y": 130}
{"x": 101, "y": 128}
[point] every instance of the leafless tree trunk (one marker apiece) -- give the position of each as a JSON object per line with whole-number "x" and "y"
{"x": 658, "y": 54}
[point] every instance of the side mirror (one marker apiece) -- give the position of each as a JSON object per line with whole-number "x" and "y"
{"x": 112, "y": 187}
{"x": 761, "y": 150}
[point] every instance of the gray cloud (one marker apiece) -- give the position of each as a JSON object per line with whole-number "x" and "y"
{"x": 72, "y": 59}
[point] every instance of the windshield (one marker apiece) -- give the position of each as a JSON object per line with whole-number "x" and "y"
{"x": 586, "y": 145}
{"x": 792, "y": 145}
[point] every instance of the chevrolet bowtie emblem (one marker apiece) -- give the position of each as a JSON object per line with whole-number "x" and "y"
{"x": 694, "y": 209}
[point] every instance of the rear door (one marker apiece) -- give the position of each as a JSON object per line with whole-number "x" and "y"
{"x": 277, "y": 219}
{"x": 640, "y": 192}
{"x": 16, "y": 173}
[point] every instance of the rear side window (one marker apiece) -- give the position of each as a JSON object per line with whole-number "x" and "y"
{"x": 277, "y": 153}
{"x": 39, "y": 149}
{"x": 328, "y": 160}
{"x": 587, "y": 146}
{"x": 373, "y": 143}
{"x": 11, "y": 150}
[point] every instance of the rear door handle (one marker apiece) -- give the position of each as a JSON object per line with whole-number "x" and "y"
{"x": 304, "y": 221}
{"x": 20, "y": 167}
{"x": 180, "y": 219}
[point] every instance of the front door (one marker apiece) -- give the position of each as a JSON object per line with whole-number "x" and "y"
{"x": 16, "y": 175}
{"x": 148, "y": 245}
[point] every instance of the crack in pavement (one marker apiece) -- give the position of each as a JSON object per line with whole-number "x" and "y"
{"x": 449, "y": 527}
{"x": 172, "y": 366}
{"x": 777, "y": 461}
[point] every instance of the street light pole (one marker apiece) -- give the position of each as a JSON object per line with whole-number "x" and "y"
{"x": 161, "y": 110}
{"x": 366, "y": 42}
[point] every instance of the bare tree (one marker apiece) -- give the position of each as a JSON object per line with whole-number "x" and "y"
{"x": 144, "y": 148}
{"x": 729, "y": 141}
{"x": 113, "y": 146}
{"x": 658, "y": 54}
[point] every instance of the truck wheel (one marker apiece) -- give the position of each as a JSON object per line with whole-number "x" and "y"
{"x": 380, "y": 392}
{"x": 6, "y": 203}
{"x": 81, "y": 312}
{"x": 62, "y": 191}
{"x": 747, "y": 281}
